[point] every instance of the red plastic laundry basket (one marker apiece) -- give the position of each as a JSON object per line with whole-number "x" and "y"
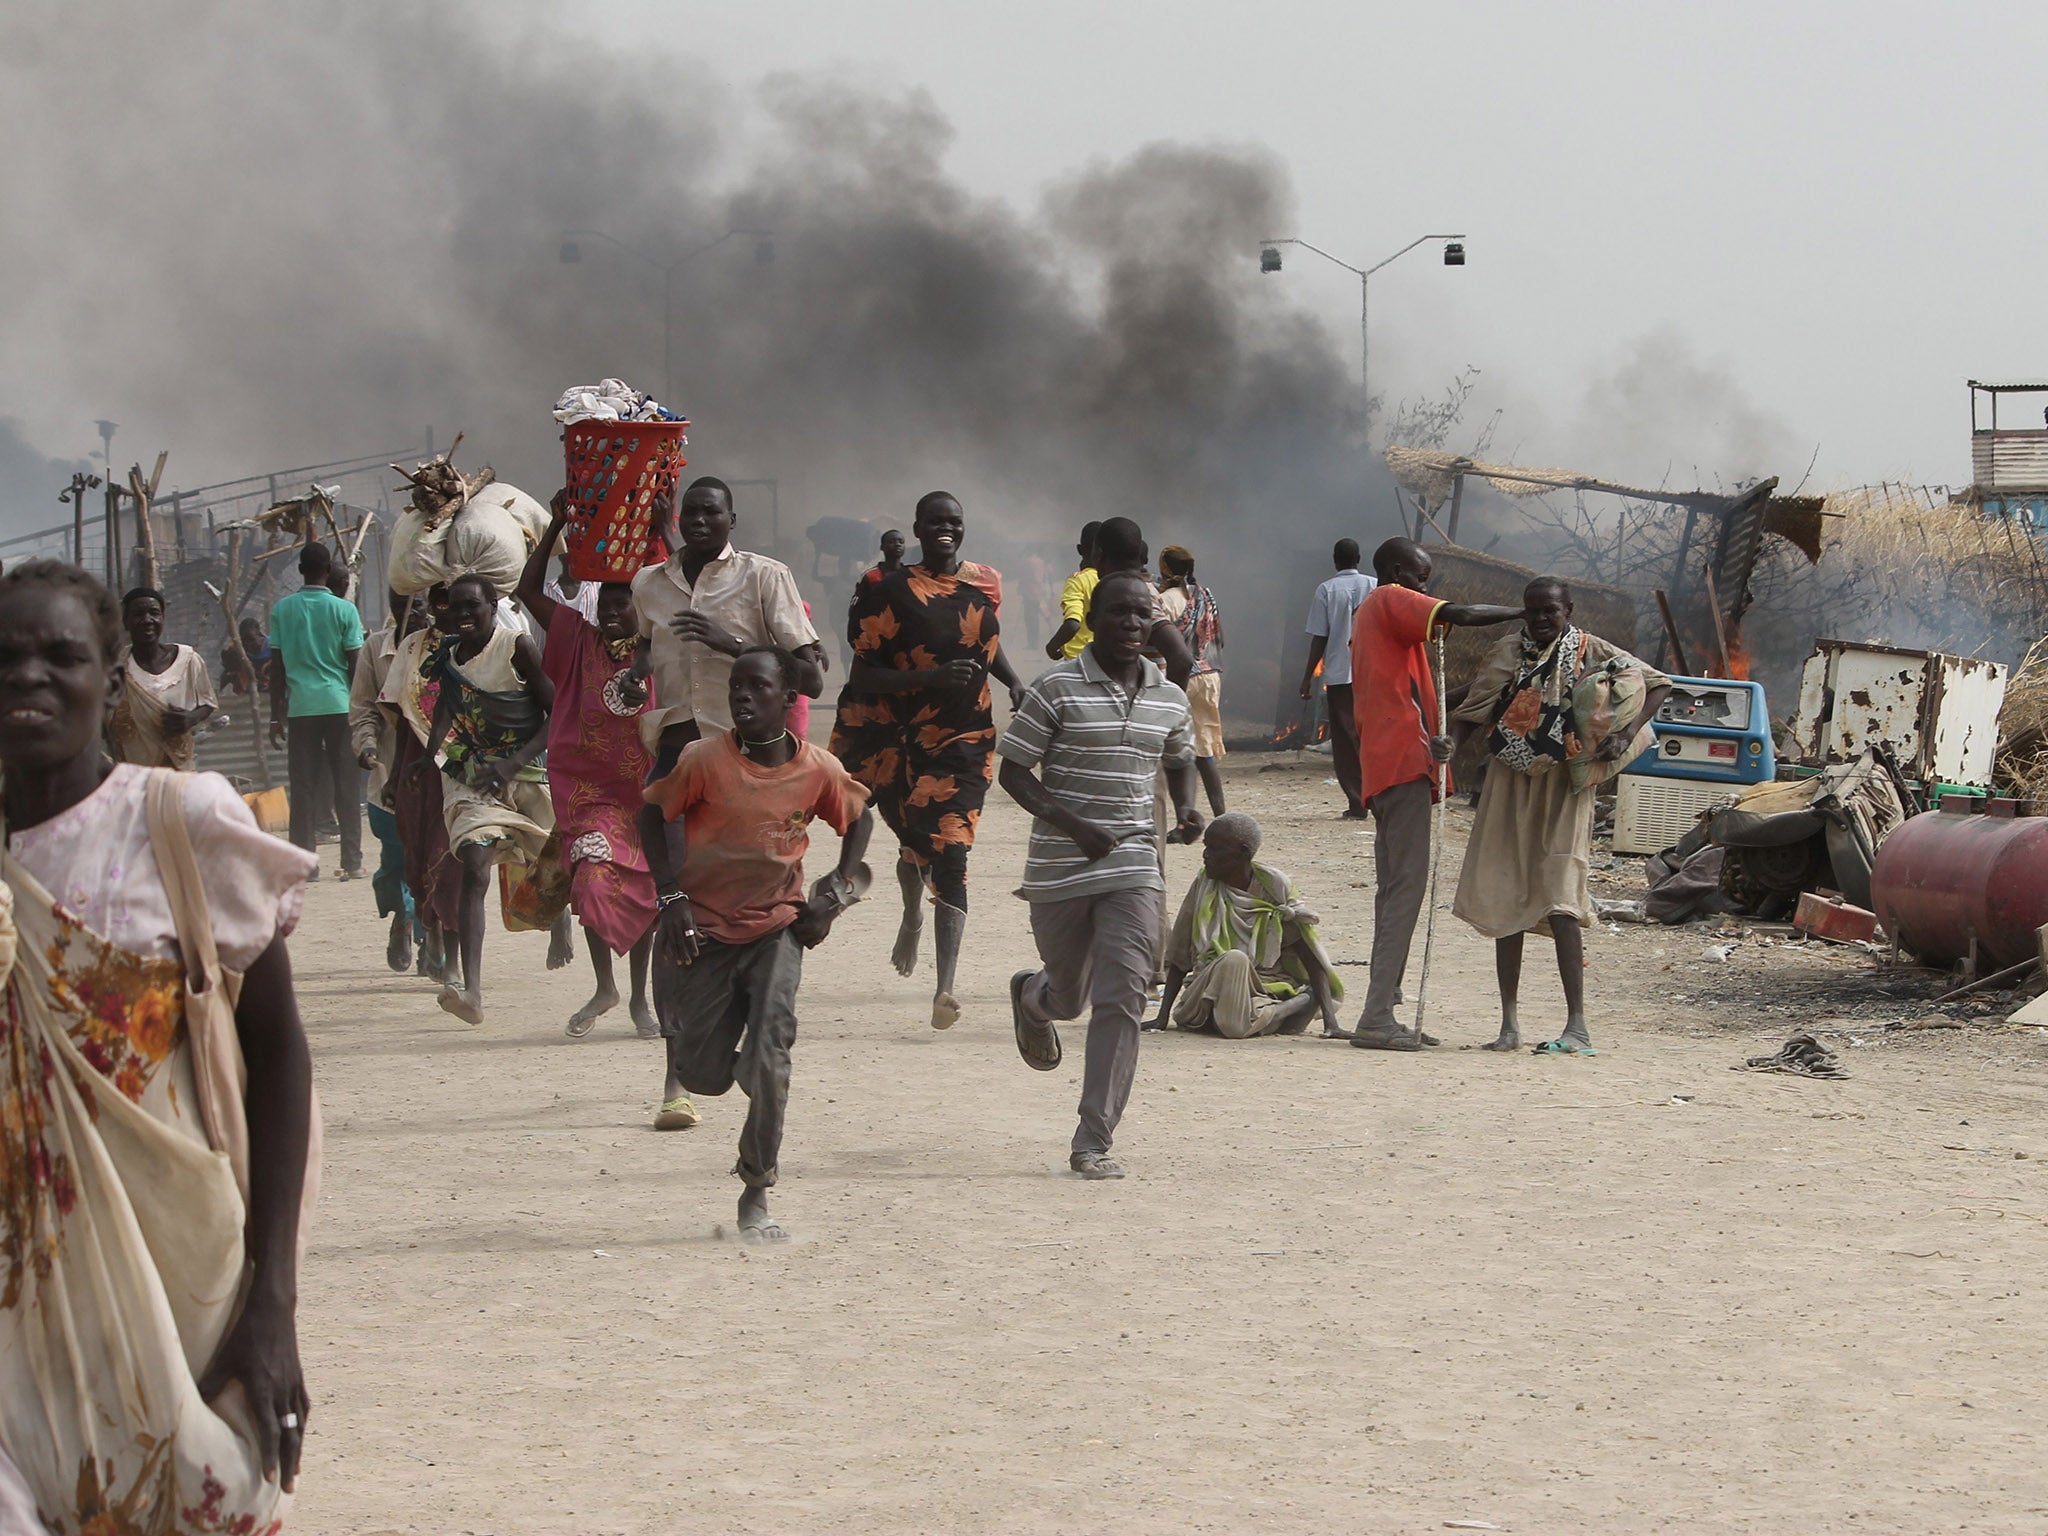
{"x": 615, "y": 470}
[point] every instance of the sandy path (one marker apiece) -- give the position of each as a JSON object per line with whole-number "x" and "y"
{"x": 1341, "y": 1291}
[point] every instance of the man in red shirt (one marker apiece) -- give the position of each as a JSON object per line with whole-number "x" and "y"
{"x": 1400, "y": 743}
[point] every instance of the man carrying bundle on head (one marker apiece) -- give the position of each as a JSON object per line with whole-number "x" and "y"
{"x": 1400, "y": 745}
{"x": 1563, "y": 711}
{"x": 493, "y": 714}
{"x": 1243, "y": 958}
{"x": 915, "y": 725}
{"x": 597, "y": 767}
{"x": 734, "y": 918}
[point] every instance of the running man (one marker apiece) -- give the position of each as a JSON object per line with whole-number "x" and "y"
{"x": 1072, "y": 637}
{"x": 698, "y": 610}
{"x": 734, "y": 919}
{"x": 1081, "y": 756}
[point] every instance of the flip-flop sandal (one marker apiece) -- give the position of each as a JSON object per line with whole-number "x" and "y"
{"x": 1562, "y": 1047}
{"x": 766, "y": 1230}
{"x": 1030, "y": 1043}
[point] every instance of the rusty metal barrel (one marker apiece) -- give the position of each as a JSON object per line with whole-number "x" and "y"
{"x": 1945, "y": 878}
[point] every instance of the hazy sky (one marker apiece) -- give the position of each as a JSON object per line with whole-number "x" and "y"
{"x": 1742, "y": 231}
{"x": 1704, "y": 240}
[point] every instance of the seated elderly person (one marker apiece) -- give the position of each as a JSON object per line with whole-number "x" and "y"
{"x": 1243, "y": 958}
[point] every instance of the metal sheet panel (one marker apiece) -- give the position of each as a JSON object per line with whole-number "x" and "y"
{"x": 1965, "y": 695}
{"x": 2009, "y": 461}
{"x": 1877, "y": 695}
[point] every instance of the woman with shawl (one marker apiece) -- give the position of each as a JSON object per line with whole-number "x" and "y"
{"x": 166, "y": 693}
{"x": 1563, "y": 711}
{"x": 1192, "y": 609}
{"x": 150, "y": 1203}
{"x": 1243, "y": 958}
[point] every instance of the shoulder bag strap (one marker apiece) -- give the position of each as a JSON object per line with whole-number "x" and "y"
{"x": 171, "y": 841}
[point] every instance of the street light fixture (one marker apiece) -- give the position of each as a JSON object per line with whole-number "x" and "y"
{"x": 572, "y": 254}
{"x": 1454, "y": 256}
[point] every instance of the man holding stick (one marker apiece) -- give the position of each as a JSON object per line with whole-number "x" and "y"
{"x": 1081, "y": 755}
{"x": 1400, "y": 745}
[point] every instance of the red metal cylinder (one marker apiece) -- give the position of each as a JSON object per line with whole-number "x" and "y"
{"x": 1943, "y": 879}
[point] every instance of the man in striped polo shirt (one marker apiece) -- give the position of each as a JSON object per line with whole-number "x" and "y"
{"x": 1080, "y": 755}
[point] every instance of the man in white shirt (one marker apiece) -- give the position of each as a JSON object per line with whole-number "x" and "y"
{"x": 1329, "y": 642}
{"x": 699, "y": 609}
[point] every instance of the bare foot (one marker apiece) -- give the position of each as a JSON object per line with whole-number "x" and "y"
{"x": 398, "y": 952}
{"x": 561, "y": 948}
{"x": 644, "y": 1022}
{"x": 1507, "y": 1040}
{"x": 904, "y": 955}
{"x": 945, "y": 1011}
{"x": 466, "y": 1006}
{"x": 756, "y": 1225}
{"x": 584, "y": 1019}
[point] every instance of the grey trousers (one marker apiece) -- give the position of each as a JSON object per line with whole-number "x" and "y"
{"x": 1098, "y": 950}
{"x": 1400, "y": 846}
{"x": 729, "y": 1016}
{"x": 319, "y": 754}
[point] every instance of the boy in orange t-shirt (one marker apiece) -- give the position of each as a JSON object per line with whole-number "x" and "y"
{"x": 1400, "y": 743}
{"x": 734, "y": 921}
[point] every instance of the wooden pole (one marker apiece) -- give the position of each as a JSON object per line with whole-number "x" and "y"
{"x": 1457, "y": 500}
{"x": 1720, "y": 627}
{"x": 227, "y": 610}
{"x": 145, "y": 536}
{"x": 113, "y": 550}
{"x": 1671, "y": 635}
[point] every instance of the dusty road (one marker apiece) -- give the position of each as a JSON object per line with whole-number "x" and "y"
{"x": 1342, "y": 1291}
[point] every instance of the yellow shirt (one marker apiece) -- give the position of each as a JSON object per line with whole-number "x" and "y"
{"x": 1074, "y": 598}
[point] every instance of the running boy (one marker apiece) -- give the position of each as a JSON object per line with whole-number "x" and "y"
{"x": 734, "y": 920}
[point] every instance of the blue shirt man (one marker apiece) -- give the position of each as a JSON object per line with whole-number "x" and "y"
{"x": 1329, "y": 644}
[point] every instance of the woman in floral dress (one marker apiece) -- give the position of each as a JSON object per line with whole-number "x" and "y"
{"x": 150, "y": 1206}
{"x": 915, "y": 724}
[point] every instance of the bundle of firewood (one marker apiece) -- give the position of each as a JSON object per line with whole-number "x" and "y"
{"x": 438, "y": 489}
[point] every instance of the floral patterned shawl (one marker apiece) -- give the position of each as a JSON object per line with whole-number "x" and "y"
{"x": 121, "y": 1244}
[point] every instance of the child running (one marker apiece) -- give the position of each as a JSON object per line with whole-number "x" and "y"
{"x": 734, "y": 920}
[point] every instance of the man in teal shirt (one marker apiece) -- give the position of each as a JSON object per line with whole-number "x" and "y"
{"x": 314, "y": 638}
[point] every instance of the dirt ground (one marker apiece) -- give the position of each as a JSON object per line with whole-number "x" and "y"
{"x": 1341, "y": 1291}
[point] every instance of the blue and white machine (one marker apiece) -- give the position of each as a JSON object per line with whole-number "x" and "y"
{"x": 1713, "y": 737}
{"x": 1711, "y": 729}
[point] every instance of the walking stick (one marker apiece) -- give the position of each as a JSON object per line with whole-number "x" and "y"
{"x": 1436, "y": 846}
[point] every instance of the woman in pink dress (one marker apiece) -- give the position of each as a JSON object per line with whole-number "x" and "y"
{"x": 596, "y": 767}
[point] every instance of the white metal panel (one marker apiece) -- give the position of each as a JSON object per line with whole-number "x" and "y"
{"x": 1651, "y": 815}
{"x": 1877, "y": 699}
{"x": 1967, "y": 695}
{"x": 1808, "y": 728}
{"x": 2009, "y": 461}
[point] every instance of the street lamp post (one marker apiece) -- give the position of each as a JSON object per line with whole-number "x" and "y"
{"x": 764, "y": 253}
{"x": 1454, "y": 256}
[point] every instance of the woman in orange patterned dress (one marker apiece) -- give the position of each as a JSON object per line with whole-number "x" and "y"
{"x": 916, "y": 726}
{"x": 149, "y": 1202}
